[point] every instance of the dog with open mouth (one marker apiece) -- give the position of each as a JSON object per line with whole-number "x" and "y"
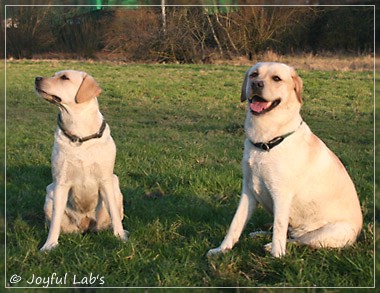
{"x": 85, "y": 194}
{"x": 289, "y": 170}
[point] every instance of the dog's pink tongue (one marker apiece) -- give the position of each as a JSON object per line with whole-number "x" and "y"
{"x": 259, "y": 106}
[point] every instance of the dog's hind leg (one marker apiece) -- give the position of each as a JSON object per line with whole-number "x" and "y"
{"x": 103, "y": 219}
{"x": 332, "y": 235}
{"x": 259, "y": 233}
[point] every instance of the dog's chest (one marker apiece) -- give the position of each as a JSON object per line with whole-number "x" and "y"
{"x": 85, "y": 166}
{"x": 84, "y": 179}
{"x": 260, "y": 174}
{"x": 83, "y": 172}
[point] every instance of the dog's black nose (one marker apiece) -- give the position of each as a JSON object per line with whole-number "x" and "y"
{"x": 259, "y": 84}
{"x": 37, "y": 80}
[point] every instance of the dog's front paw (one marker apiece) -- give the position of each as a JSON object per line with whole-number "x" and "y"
{"x": 268, "y": 247}
{"x": 275, "y": 252}
{"x": 49, "y": 246}
{"x": 122, "y": 235}
{"x": 216, "y": 251}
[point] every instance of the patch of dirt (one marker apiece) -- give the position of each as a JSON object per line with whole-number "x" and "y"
{"x": 327, "y": 61}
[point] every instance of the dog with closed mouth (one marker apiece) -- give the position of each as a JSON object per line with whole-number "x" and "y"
{"x": 85, "y": 194}
{"x": 289, "y": 170}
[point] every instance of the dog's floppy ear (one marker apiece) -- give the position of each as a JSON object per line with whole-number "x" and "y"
{"x": 298, "y": 84}
{"x": 88, "y": 90}
{"x": 243, "y": 95}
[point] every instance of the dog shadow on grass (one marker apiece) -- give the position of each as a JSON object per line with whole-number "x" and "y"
{"x": 190, "y": 214}
{"x": 180, "y": 218}
{"x": 25, "y": 193}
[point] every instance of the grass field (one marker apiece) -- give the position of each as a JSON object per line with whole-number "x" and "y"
{"x": 179, "y": 136}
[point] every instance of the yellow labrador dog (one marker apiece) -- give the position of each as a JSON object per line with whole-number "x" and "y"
{"x": 85, "y": 194}
{"x": 289, "y": 170}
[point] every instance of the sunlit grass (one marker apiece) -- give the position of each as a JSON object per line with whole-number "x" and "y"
{"x": 179, "y": 136}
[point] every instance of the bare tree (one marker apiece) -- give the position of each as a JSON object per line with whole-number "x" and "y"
{"x": 27, "y": 31}
{"x": 248, "y": 30}
{"x": 185, "y": 34}
{"x": 132, "y": 33}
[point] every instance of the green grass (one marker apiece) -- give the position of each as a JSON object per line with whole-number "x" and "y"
{"x": 179, "y": 136}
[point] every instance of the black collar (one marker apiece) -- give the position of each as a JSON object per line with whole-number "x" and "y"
{"x": 75, "y": 138}
{"x": 267, "y": 146}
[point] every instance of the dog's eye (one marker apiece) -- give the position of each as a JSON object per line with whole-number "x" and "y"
{"x": 254, "y": 74}
{"x": 276, "y": 78}
{"x": 64, "y": 77}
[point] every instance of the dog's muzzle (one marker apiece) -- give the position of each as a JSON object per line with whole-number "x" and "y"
{"x": 50, "y": 98}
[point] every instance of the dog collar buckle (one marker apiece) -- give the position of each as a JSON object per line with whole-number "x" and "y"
{"x": 75, "y": 139}
{"x": 265, "y": 147}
